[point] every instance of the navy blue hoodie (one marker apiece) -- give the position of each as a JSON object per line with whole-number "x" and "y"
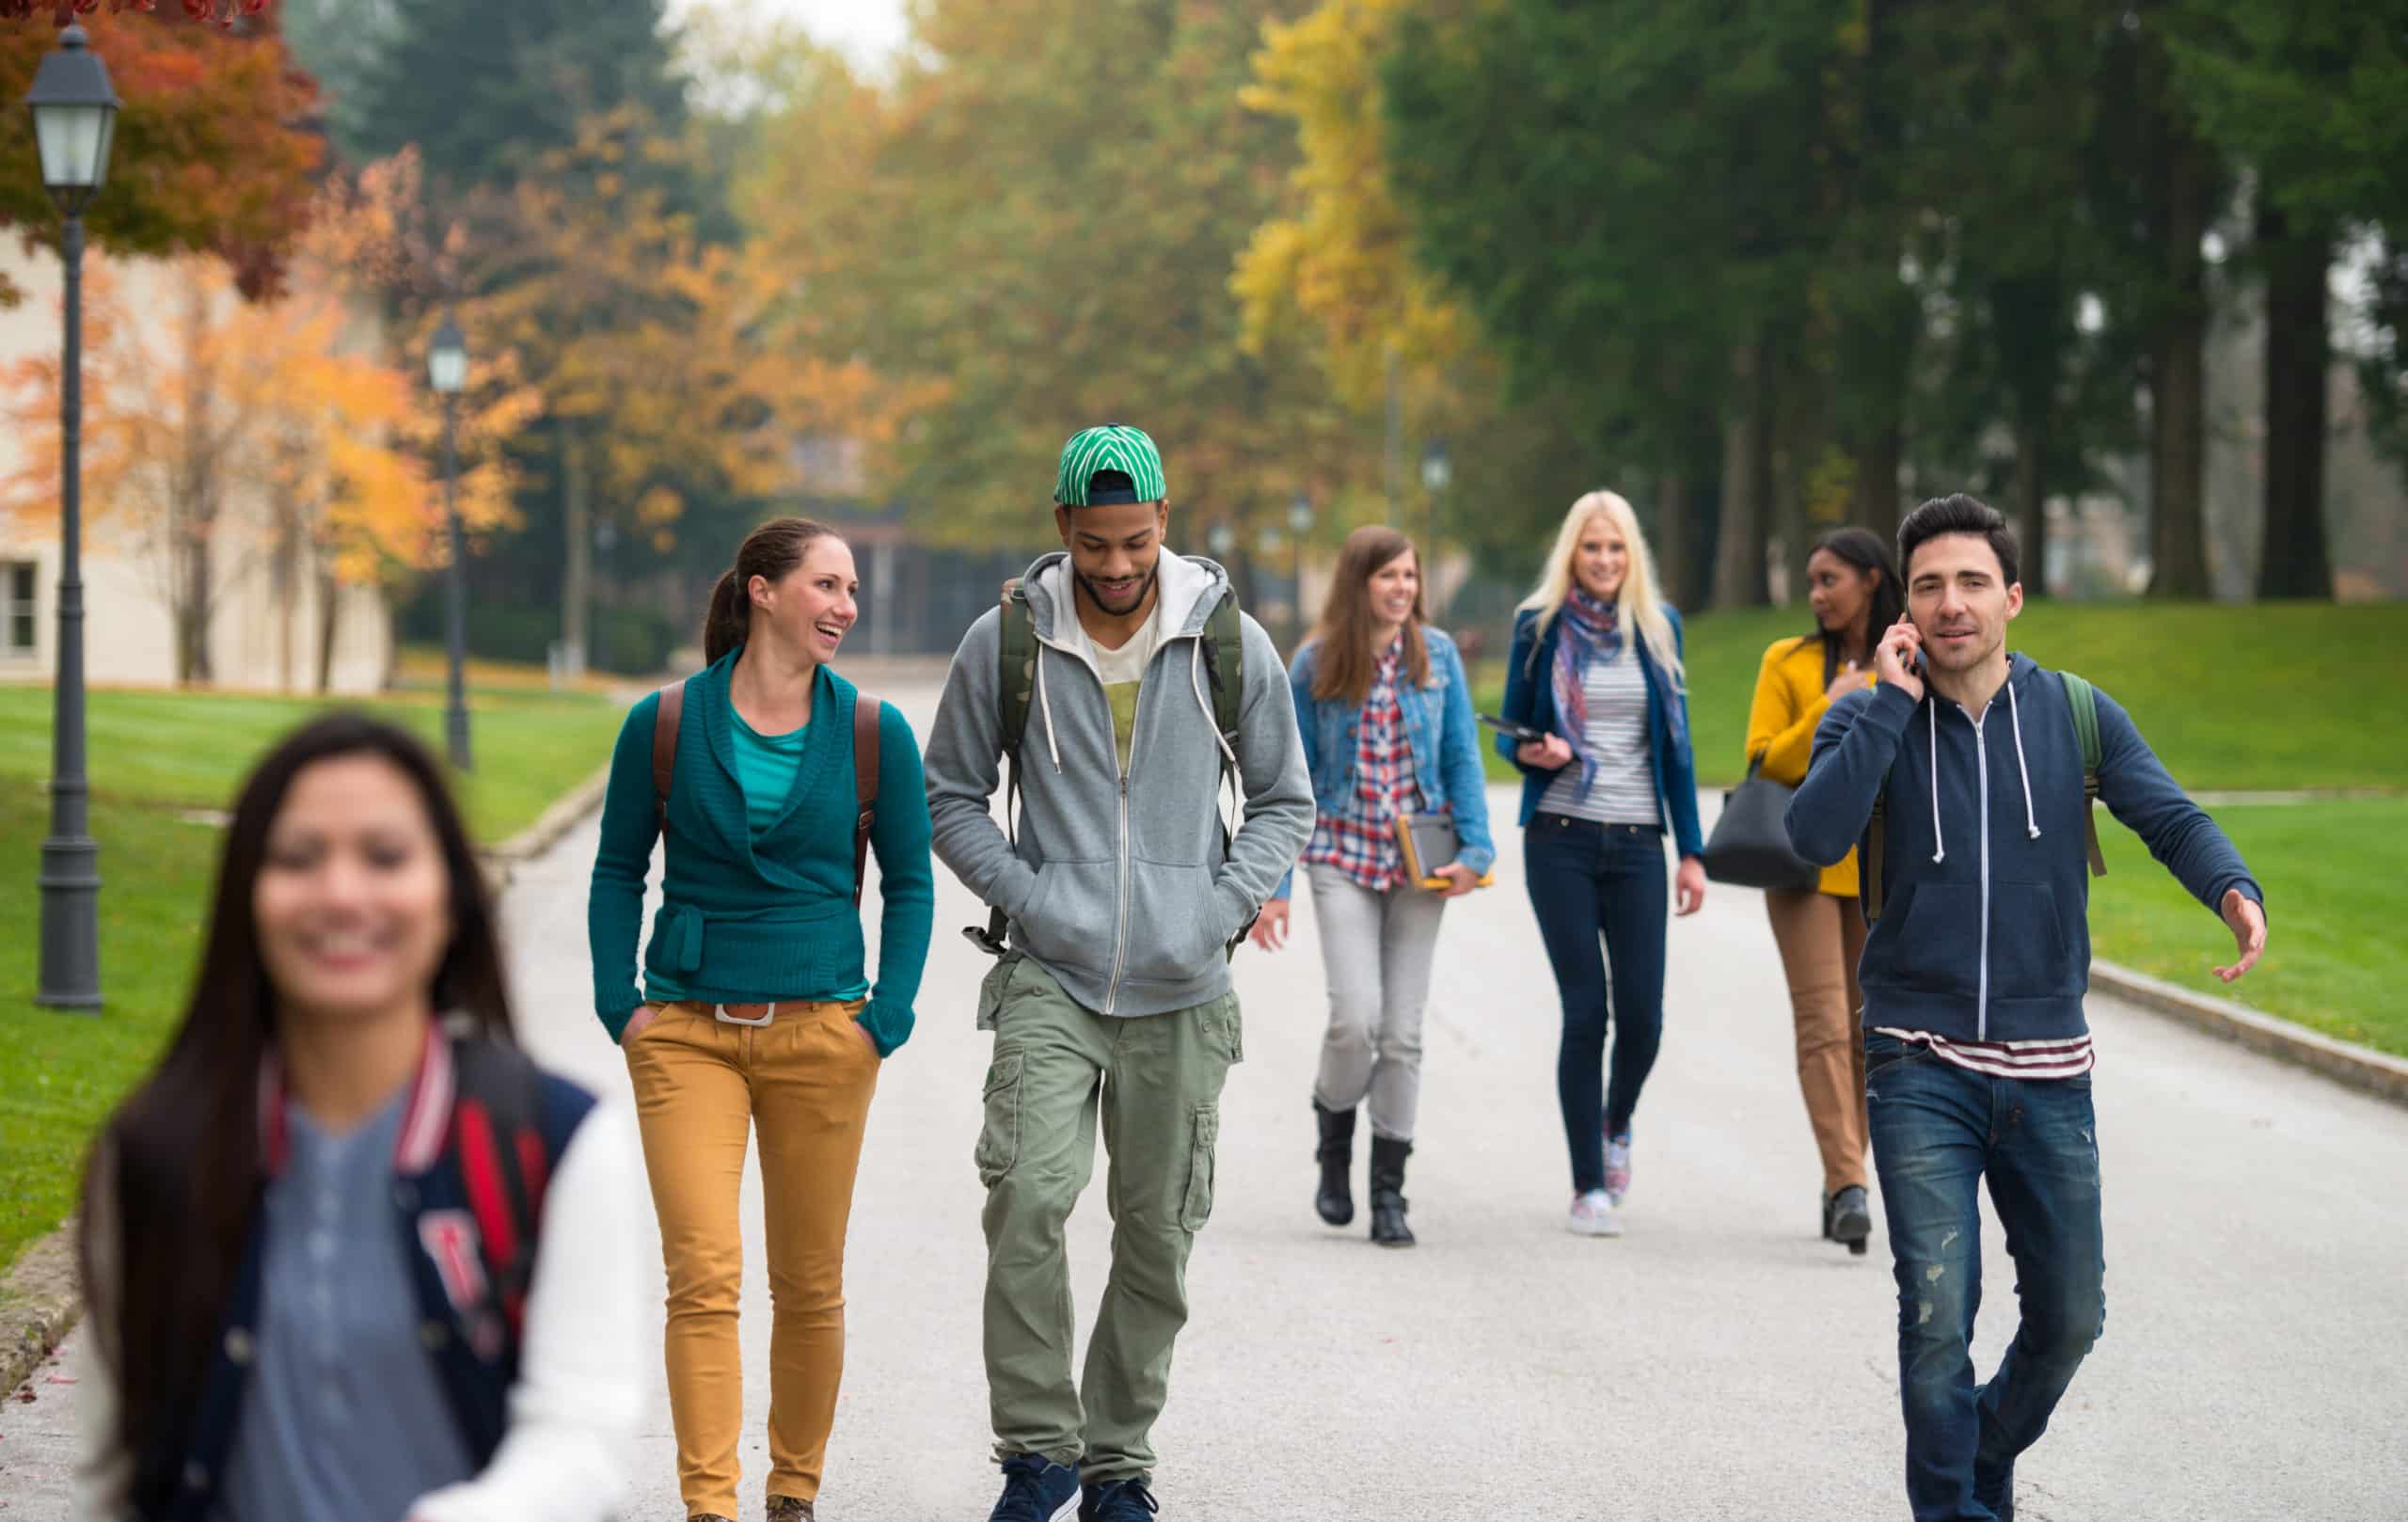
{"x": 1985, "y": 934}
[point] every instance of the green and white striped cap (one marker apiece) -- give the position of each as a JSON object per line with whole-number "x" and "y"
{"x": 1111, "y": 447}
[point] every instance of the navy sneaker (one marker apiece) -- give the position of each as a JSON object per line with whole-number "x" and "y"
{"x": 1037, "y": 1489}
{"x": 1119, "y": 1500}
{"x": 1996, "y": 1491}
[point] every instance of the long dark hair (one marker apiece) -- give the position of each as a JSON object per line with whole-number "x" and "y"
{"x": 1344, "y": 632}
{"x": 770, "y": 552}
{"x": 1866, "y": 551}
{"x": 182, "y": 1154}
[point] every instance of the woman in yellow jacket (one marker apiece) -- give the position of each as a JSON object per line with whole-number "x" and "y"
{"x": 1852, "y": 584}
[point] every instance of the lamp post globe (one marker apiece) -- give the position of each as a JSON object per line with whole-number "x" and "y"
{"x": 447, "y": 373}
{"x": 1437, "y": 471}
{"x": 75, "y": 113}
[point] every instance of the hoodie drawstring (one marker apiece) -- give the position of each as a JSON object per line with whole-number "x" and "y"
{"x": 2015, "y": 716}
{"x": 1940, "y": 853}
{"x": 1045, "y": 701}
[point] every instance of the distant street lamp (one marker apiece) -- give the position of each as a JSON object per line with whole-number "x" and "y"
{"x": 1224, "y": 541}
{"x": 1437, "y": 472}
{"x": 446, "y": 371}
{"x": 74, "y": 115}
{"x": 1300, "y": 524}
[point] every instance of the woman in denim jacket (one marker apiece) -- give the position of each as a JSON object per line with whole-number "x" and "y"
{"x": 1386, "y": 719}
{"x": 1595, "y": 668}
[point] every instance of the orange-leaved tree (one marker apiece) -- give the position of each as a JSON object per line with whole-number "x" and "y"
{"x": 213, "y": 152}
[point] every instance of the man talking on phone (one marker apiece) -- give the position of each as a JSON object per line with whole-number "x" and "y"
{"x": 1978, "y": 1059}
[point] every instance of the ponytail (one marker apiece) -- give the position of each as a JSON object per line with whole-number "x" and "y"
{"x": 770, "y": 552}
{"x": 727, "y": 619}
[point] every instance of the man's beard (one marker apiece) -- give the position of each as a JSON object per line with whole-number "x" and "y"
{"x": 1136, "y": 598}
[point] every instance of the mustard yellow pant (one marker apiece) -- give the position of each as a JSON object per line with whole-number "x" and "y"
{"x": 702, "y": 1085}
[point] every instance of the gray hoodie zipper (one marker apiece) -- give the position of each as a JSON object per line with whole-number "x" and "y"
{"x": 1121, "y": 943}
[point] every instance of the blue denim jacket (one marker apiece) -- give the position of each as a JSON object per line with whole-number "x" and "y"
{"x": 1529, "y": 699}
{"x": 1438, "y": 725}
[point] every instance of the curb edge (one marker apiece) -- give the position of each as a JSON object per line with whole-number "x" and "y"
{"x": 2378, "y": 1075}
{"x": 42, "y": 1307}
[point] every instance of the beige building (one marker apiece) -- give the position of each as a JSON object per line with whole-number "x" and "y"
{"x": 268, "y": 613}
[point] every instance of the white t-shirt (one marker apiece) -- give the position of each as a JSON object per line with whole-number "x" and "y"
{"x": 1123, "y": 670}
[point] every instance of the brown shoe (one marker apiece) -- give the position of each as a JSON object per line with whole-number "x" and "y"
{"x": 787, "y": 1509}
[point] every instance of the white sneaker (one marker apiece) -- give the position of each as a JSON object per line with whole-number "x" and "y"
{"x": 1592, "y": 1215}
{"x": 1618, "y": 1166}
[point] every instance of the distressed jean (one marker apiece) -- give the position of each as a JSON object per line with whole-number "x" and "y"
{"x": 1938, "y": 1132}
{"x": 1375, "y": 953}
{"x": 1589, "y": 880}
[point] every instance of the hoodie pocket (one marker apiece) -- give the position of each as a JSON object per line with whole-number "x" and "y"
{"x": 1939, "y": 948}
{"x": 2027, "y": 943}
{"x": 1070, "y": 916}
{"x": 1174, "y": 927}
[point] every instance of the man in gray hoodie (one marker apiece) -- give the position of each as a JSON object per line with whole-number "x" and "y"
{"x": 1125, "y": 894}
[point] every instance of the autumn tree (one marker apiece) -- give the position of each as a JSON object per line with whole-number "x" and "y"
{"x": 212, "y": 154}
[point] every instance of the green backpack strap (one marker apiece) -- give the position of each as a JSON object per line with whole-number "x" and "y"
{"x": 1225, "y": 669}
{"x": 1015, "y": 688}
{"x": 2082, "y": 700}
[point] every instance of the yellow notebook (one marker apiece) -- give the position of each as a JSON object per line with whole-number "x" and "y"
{"x": 1428, "y": 842}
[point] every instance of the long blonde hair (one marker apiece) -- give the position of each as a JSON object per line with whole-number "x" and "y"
{"x": 1639, "y": 606}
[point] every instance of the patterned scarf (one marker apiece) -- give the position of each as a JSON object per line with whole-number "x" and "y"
{"x": 1586, "y": 631}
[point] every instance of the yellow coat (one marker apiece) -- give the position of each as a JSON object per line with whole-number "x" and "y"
{"x": 1788, "y": 705}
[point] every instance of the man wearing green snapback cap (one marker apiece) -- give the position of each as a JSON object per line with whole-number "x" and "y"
{"x": 1124, "y": 893}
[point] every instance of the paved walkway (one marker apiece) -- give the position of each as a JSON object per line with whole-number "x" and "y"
{"x": 1718, "y": 1361}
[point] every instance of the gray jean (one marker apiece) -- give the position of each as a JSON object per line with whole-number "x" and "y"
{"x": 1375, "y": 950}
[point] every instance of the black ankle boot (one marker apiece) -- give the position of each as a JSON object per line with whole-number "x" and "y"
{"x": 1387, "y": 1193}
{"x": 1335, "y": 1201}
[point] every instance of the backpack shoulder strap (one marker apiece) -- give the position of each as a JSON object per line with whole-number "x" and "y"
{"x": 665, "y": 720}
{"x": 504, "y": 1164}
{"x": 1016, "y": 665}
{"x": 1016, "y": 660}
{"x": 2082, "y": 700}
{"x": 1225, "y": 664}
{"x": 866, "y": 719}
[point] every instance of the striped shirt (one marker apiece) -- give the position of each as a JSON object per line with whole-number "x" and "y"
{"x": 1625, "y": 790}
{"x": 2068, "y": 1058}
{"x": 1359, "y": 840}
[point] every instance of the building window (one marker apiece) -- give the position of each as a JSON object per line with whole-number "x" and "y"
{"x": 18, "y": 611}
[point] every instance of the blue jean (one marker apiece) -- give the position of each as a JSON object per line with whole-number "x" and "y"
{"x": 1586, "y": 878}
{"x": 1937, "y": 1130}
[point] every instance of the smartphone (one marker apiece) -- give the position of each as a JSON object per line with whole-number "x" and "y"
{"x": 1522, "y": 733}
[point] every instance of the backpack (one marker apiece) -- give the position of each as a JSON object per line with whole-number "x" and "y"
{"x": 2083, "y": 699}
{"x": 1016, "y": 688}
{"x": 866, "y": 710}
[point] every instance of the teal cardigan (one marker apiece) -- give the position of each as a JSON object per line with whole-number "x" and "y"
{"x": 746, "y": 920}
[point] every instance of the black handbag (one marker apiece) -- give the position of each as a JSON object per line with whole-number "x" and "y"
{"x": 1750, "y": 848}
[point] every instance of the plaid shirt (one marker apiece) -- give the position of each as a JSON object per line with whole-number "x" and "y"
{"x": 1360, "y": 839}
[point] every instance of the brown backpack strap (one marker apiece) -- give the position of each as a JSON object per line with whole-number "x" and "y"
{"x": 866, "y": 715}
{"x": 664, "y": 745}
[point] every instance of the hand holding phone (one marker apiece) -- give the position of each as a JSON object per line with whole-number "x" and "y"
{"x": 1523, "y": 733}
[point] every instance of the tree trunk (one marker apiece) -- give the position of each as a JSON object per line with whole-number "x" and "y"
{"x": 329, "y": 626}
{"x": 1675, "y": 534}
{"x": 192, "y": 615}
{"x": 1739, "y": 545}
{"x": 2030, "y": 509}
{"x": 2295, "y": 561}
{"x": 2177, "y": 371}
{"x": 578, "y": 572}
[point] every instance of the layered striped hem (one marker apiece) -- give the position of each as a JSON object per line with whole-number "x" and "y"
{"x": 2067, "y": 1059}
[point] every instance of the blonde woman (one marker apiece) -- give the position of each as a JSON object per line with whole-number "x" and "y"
{"x": 1595, "y": 672}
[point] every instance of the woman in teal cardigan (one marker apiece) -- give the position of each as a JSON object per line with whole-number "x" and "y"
{"x": 755, "y": 1012}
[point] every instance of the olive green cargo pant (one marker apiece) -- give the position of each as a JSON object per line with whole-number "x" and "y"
{"x": 1155, "y": 1081}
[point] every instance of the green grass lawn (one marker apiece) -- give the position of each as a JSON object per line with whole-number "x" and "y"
{"x": 2336, "y": 959}
{"x": 2276, "y": 697}
{"x": 153, "y": 755}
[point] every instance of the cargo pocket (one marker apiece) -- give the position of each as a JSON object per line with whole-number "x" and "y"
{"x": 999, "y": 1137}
{"x": 1230, "y": 1022}
{"x": 1205, "y": 1131}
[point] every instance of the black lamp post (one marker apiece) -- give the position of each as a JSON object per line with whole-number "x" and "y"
{"x": 74, "y": 120}
{"x": 446, "y": 371}
{"x": 1438, "y": 472}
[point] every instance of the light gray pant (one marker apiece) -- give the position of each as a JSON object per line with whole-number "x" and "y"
{"x": 1375, "y": 950}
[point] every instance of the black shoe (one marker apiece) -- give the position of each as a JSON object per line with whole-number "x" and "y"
{"x": 1335, "y": 1201}
{"x": 1387, "y": 1193}
{"x": 1847, "y": 1217}
{"x": 1037, "y": 1489}
{"x": 1996, "y": 1492}
{"x": 1118, "y": 1500}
